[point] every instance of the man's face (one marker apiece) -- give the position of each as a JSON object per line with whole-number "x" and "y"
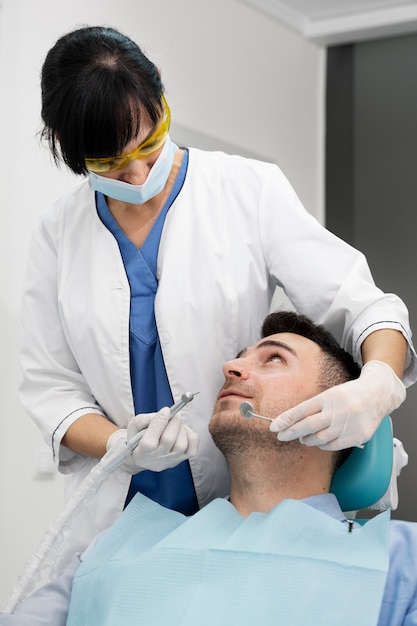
{"x": 274, "y": 374}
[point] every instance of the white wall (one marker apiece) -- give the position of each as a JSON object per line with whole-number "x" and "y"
{"x": 230, "y": 73}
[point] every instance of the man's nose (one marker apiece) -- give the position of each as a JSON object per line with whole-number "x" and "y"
{"x": 235, "y": 369}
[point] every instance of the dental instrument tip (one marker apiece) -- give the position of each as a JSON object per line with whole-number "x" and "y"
{"x": 246, "y": 410}
{"x": 187, "y": 396}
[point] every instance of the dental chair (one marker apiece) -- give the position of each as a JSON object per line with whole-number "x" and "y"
{"x": 368, "y": 477}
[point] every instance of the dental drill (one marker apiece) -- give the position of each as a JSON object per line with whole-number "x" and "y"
{"x": 82, "y": 495}
{"x": 134, "y": 441}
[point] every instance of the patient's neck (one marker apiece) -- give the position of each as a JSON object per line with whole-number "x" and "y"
{"x": 260, "y": 479}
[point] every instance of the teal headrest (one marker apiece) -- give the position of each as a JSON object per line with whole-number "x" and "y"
{"x": 365, "y": 476}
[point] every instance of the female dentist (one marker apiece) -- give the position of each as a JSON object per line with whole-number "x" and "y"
{"x": 158, "y": 267}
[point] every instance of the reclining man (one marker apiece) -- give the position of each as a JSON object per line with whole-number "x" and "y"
{"x": 279, "y": 551}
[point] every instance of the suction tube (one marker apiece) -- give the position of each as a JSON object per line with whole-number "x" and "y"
{"x": 49, "y": 549}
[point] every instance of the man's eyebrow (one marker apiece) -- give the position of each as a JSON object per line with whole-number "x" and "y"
{"x": 269, "y": 343}
{"x": 276, "y": 344}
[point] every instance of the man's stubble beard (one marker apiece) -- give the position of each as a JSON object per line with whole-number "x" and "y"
{"x": 234, "y": 435}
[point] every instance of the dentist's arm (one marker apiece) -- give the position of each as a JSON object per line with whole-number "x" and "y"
{"x": 166, "y": 442}
{"x": 388, "y": 346}
{"x": 89, "y": 434}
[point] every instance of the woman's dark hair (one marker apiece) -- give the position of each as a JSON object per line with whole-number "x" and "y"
{"x": 97, "y": 86}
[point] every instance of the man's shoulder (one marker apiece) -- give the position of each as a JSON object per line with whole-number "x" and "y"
{"x": 403, "y": 536}
{"x": 403, "y": 550}
{"x": 400, "y": 595}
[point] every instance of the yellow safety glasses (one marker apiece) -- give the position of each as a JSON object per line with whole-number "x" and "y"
{"x": 150, "y": 145}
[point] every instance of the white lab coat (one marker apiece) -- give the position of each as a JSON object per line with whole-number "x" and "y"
{"x": 235, "y": 231}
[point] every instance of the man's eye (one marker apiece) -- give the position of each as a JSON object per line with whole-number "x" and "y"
{"x": 275, "y": 358}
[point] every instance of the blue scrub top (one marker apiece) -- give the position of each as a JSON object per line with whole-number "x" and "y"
{"x": 173, "y": 488}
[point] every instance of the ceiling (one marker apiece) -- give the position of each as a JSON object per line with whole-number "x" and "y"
{"x": 328, "y": 22}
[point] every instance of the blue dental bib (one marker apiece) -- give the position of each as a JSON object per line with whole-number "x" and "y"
{"x": 293, "y": 566}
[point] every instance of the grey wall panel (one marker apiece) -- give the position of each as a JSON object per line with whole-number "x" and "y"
{"x": 378, "y": 213}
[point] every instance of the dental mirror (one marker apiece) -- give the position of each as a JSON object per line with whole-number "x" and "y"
{"x": 246, "y": 410}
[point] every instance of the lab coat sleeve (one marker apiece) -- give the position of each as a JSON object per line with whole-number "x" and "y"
{"x": 324, "y": 277}
{"x": 53, "y": 390}
{"x": 48, "y": 605}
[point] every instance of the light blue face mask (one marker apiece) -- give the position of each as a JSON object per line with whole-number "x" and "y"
{"x": 138, "y": 194}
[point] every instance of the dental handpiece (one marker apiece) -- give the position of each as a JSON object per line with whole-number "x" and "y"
{"x": 186, "y": 397}
{"x": 111, "y": 462}
{"x": 246, "y": 410}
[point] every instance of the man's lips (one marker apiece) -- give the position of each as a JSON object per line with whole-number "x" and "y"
{"x": 225, "y": 393}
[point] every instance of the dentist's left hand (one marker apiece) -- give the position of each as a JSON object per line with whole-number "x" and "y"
{"x": 346, "y": 415}
{"x": 166, "y": 442}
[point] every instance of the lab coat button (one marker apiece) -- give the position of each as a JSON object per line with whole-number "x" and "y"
{"x": 164, "y": 337}
{"x": 200, "y": 470}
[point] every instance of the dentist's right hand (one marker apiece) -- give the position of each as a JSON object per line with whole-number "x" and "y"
{"x": 166, "y": 442}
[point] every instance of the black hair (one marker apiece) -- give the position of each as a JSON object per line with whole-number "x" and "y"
{"x": 337, "y": 366}
{"x": 96, "y": 87}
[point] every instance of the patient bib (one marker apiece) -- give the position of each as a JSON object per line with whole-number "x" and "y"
{"x": 294, "y": 566}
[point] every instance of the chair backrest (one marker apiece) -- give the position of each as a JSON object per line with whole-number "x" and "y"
{"x": 365, "y": 475}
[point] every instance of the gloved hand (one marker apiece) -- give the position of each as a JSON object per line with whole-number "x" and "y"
{"x": 165, "y": 443}
{"x": 346, "y": 415}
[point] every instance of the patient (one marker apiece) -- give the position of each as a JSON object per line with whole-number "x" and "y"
{"x": 279, "y": 551}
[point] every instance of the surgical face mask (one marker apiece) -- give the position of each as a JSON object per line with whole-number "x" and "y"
{"x": 139, "y": 194}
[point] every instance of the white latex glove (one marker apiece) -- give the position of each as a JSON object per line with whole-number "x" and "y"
{"x": 166, "y": 442}
{"x": 346, "y": 415}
